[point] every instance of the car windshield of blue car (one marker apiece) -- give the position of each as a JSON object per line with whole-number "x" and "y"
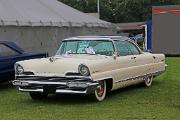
{"x": 92, "y": 47}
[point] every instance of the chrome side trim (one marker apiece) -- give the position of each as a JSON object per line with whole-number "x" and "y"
{"x": 141, "y": 76}
{"x": 104, "y": 78}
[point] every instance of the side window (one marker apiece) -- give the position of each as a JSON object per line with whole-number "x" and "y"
{"x": 104, "y": 48}
{"x": 134, "y": 50}
{"x": 6, "y": 51}
{"x": 122, "y": 48}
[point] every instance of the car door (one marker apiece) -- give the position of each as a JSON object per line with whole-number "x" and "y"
{"x": 132, "y": 63}
{"x": 125, "y": 62}
{"x": 142, "y": 63}
{"x": 6, "y": 61}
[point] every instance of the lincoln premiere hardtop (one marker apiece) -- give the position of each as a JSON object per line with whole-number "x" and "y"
{"x": 90, "y": 65}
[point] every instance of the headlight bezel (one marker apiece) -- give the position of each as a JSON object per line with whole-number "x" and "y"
{"x": 19, "y": 69}
{"x": 83, "y": 70}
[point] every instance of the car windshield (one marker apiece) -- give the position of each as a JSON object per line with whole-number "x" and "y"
{"x": 101, "y": 47}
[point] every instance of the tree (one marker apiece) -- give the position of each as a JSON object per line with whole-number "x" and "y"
{"x": 117, "y": 11}
{"x": 86, "y": 6}
{"x": 126, "y": 10}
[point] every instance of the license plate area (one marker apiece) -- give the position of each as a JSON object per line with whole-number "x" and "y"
{"x": 49, "y": 89}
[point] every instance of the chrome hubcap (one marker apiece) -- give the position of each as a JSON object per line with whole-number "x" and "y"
{"x": 100, "y": 89}
{"x": 149, "y": 80}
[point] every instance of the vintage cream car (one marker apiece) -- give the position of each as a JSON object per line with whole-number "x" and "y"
{"x": 90, "y": 65}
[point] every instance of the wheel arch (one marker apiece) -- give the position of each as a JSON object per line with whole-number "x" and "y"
{"x": 109, "y": 83}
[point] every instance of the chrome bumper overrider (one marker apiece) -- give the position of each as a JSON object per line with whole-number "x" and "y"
{"x": 166, "y": 65}
{"x": 50, "y": 86}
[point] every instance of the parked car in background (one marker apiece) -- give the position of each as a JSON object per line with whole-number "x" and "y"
{"x": 90, "y": 65}
{"x": 139, "y": 39}
{"x": 10, "y": 53}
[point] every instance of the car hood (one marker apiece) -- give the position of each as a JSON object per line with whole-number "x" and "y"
{"x": 60, "y": 65}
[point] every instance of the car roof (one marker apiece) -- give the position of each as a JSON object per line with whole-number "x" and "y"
{"x": 97, "y": 38}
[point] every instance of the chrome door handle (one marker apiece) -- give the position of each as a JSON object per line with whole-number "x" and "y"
{"x": 133, "y": 57}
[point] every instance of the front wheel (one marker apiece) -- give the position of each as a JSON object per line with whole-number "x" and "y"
{"x": 38, "y": 96}
{"x": 100, "y": 92}
{"x": 148, "y": 81}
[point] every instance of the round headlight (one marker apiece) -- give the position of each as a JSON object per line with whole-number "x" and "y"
{"x": 84, "y": 70}
{"x": 19, "y": 69}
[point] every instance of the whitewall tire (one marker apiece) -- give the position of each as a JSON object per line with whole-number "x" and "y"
{"x": 100, "y": 92}
{"x": 148, "y": 81}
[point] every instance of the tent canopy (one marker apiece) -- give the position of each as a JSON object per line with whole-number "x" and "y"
{"x": 44, "y": 13}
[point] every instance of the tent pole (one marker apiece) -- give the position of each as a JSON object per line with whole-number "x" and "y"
{"x": 98, "y": 8}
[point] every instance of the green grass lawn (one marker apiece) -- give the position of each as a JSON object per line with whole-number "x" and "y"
{"x": 159, "y": 102}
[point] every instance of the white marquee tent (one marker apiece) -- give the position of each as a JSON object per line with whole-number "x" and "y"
{"x": 40, "y": 25}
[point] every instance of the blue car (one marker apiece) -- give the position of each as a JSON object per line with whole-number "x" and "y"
{"x": 10, "y": 53}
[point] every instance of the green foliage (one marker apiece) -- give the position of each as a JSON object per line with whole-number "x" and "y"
{"x": 126, "y": 10}
{"x": 82, "y": 5}
{"x": 117, "y": 11}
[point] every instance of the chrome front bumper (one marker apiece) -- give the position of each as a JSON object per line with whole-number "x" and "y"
{"x": 50, "y": 86}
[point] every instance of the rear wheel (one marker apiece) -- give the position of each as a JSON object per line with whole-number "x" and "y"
{"x": 100, "y": 92}
{"x": 38, "y": 96}
{"x": 148, "y": 81}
